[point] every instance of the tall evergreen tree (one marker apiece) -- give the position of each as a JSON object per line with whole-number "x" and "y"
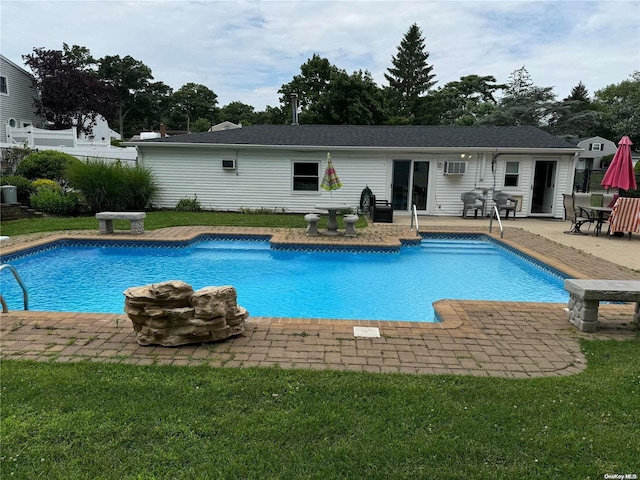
{"x": 579, "y": 93}
{"x": 410, "y": 77}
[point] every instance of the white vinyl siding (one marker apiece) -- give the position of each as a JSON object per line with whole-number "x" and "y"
{"x": 262, "y": 179}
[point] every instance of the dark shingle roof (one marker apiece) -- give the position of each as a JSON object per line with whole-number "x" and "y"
{"x": 383, "y": 136}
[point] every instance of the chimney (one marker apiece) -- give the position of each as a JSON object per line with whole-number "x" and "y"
{"x": 163, "y": 130}
{"x": 294, "y": 108}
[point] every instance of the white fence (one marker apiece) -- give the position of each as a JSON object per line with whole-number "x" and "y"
{"x": 40, "y": 137}
{"x": 67, "y": 141}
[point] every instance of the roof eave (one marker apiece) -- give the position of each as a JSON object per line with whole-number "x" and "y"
{"x": 568, "y": 150}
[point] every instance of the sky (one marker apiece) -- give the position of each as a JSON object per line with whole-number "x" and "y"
{"x": 246, "y": 50}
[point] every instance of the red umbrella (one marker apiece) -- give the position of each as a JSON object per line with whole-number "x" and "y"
{"x": 620, "y": 172}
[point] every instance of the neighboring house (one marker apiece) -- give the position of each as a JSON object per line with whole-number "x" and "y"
{"x": 594, "y": 148}
{"x": 281, "y": 166}
{"x": 16, "y": 98}
{"x": 19, "y": 124}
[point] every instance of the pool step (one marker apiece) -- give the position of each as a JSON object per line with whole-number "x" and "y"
{"x": 231, "y": 245}
{"x": 458, "y": 247}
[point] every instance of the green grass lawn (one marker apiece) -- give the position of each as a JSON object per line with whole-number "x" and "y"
{"x": 162, "y": 219}
{"x": 108, "y": 421}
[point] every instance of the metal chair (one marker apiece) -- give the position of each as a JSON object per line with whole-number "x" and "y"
{"x": 472, "y": 201}
{"x": 577, "y": 215}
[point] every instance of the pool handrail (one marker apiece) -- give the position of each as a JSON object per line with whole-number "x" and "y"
{"x": 414, "y": 217}
{"x": 25, "y": 294}
{"x": 497, "y": 214}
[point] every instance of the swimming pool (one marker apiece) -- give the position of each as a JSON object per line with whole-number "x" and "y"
{"x": 299, "y": 282}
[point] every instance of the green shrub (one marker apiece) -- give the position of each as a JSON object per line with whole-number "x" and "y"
{"x": 46, "y": 164}
{"x": 55, "y": 202}
{"x": 140, "y": 186}
{"x": 112, "y": 186}
{"x": 46, "y": 183}
{"x": 23, "y": 185}
{"x": 189, "y": 205}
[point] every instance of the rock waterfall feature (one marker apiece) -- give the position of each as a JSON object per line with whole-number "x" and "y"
{"x": 172, "y": 313}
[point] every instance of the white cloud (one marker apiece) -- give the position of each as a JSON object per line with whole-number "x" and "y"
{"x": 245, "y": 50}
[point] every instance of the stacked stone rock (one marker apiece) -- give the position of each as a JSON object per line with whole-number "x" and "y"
{"x": 171, "y": 313}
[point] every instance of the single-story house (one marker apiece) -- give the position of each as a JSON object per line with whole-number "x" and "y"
{"x": 280, "y": 167}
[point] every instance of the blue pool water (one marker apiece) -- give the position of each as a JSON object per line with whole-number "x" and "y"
{"x": 401, "y": 285}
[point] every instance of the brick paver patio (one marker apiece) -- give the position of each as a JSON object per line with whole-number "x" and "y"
{"x": 506, "y": 339}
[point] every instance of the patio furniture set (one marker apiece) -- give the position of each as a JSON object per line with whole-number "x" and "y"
{"x": 477, "y": 202}
{"x": 621, "y": 213}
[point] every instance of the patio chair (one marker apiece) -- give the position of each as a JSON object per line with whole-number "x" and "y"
{"x": 505, "y": 202}
{"x": 381, "y": 211}
{"x": 577, "y": 215}
{"x": 472, "y": 201}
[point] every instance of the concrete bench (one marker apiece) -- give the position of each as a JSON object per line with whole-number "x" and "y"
{"x": 105, "y": 221}
{"x": 585, "y": 297}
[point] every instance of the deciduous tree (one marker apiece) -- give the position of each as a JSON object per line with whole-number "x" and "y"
{"x": 195, "y": 101}
{"x": 575, "y": 117}
{"x": 619, "y": 105}
{"x": 68, "y": 91}
{"x": 312, "y": 83}
{"x": 465, "y": 101}
{"x": 237, "y": 112}
{"x": 350, "y": 100}
{"x": 129, "y": 78}
{"x": 523, "y": 103}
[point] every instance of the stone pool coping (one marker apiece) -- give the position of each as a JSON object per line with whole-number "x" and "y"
{"x": 505, "y": 339}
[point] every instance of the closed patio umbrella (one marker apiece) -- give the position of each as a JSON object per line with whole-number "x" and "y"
{"x": 620, "y": 173}
{"x": 330, "y": 180}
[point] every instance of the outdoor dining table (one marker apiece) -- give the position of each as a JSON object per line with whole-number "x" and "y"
{"x": 332, "y": 221}
{"x": 601, "y": 218}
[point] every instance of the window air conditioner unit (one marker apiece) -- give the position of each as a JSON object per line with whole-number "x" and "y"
{"x": 228, "y": 164}
{"x": 455, "y": 168}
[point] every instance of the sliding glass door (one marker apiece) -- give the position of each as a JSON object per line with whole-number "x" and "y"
{"x": 410, "y": 184}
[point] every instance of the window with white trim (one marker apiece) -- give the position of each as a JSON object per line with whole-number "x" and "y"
{"x": 512, "y": 174}
{"x": 596, "y": 147}
{"x": 3, "y": 85}
{"x": 305, "y": 176}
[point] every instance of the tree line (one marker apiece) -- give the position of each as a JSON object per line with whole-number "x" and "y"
{"x": 73, "y": 87}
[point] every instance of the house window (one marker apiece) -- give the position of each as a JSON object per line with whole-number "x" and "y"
{"x": 512, "y": 174}
{"x": 596, "y": 147}
{"x": 3, "y": 85}
{"x": 305, "y": 176}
